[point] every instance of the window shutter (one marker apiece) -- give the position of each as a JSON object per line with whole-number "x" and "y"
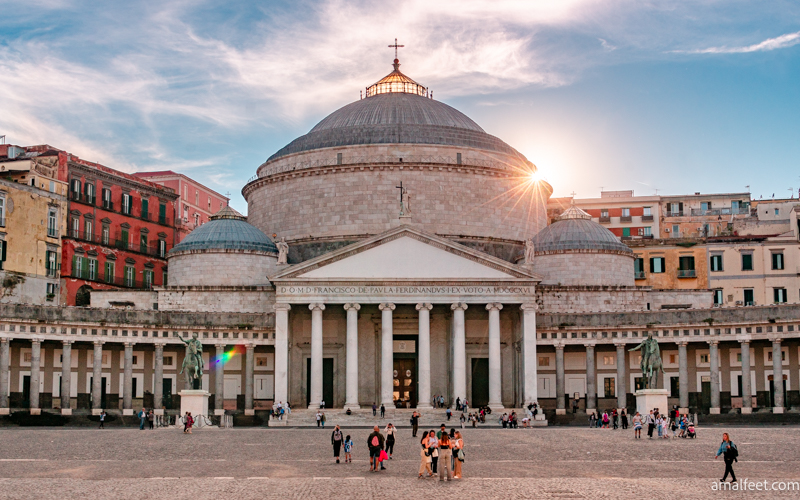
{"x": 652, "y": 265}
{"x": 3, "y": 247}
{"x": 74, "y": 265}
{"x": 680, "y": 207}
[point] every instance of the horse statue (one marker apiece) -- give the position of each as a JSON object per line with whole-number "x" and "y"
{"x": 192, "y": 367}
{"x": 651, "y": 363}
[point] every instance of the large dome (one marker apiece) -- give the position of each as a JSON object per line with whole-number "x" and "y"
{"x": 227, "y": 230}
{"x": 396, "y": 118}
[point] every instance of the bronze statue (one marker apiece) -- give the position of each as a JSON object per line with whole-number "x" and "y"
{"x": 192, "y": 367}
{"x": 651, "y": 360}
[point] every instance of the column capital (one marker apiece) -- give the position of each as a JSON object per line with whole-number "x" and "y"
{"x": 36, "y": 341}
{"x": 529, "y": 307}
{"x": 776, "y": 340}
{"x": 283, "y": 307}
{"x": 353, "y": 305}
{"x": 129, "y": 345}
{"x": 159, "y": 345}
{"x": 250, "y": 346}
{"x": 619, "y": 345}
{"x": 386, "y": 305}
{"x": 99, "y": 342}
{"x": 459, "y": 305}
{"x": 316, "y": 305}
{"x": 68, "y": 342}
{"x": 682, "y": 343}
{"x": 559, "y": 345}
{"x": 494, "y": 306}
{"x": 424, "y": 305}
{"x": 714, "y": 342}
{"x": 4, "y": 340}
{"x": 744, "y": 340}
{"x": 590, "y": 345}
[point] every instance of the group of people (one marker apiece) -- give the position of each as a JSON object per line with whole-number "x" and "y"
{"x": 320, "y": 416}
{"x": 280, "y": 409}
{"x": 607, "y": 419}
{"x": 509, "y": 421}
{"x": 438, "y": 401}
{"x": 145, "y": 417}
{"x": 441, "y": 454}
{"x": 375, "y": 410}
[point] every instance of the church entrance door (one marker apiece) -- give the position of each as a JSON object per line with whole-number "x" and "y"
{"x": 405, "y": 382}
{"x": 480, "y": 382}
{"x": 327, "y": 381}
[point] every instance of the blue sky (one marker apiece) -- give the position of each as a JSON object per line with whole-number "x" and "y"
{"x": 678, "y": 96}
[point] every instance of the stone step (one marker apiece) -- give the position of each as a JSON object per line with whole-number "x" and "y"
{"x": 400, "y": 418}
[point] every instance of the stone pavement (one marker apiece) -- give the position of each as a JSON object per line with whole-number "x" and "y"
{"x": 297, "y": 463}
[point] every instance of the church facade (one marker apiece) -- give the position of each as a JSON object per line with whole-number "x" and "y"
{"x": 394, "y": 253}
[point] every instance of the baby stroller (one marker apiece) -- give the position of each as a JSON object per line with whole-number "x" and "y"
{"x": 691, "y": 434}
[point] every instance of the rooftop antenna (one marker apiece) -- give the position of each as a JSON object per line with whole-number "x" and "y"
{"x": 748, "y": 188}
{"x": 228, "y": 202}
{"x": 656, "y": 191}
{"x": 3, "y": 138}
{"x": 791, "y": 193}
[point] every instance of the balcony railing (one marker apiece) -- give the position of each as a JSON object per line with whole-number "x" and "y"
{"x": 625, "y": 218}
{"x": 675, "y": 214}
{"x": 647, "y": 218}
{"x": 2, "y": 222}
{"x": 51, "y": 273}
{"x": 605, "y": 219}
{"x": 52, "y": 232}
{"x": 720, "y": 211}
{"x": 119, "y": 281}
{"x": 153, "y": 248}
{"x": 687, "y": 273}
{"x": 109, "y": 205}
{"x": 638, "y": 275}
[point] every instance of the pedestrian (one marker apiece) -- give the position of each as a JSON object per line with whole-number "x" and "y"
{"x": 150, "y": 417}
{"x": 637, "y": 426}
{"x": 425, "y": 455}
{"x": 592, "y": 420}
{"x": 319, "y": 418}
{"x": 466, "y": 406}
{"x": 188, "y": 422}
{"x": 322, "y": 404}
{"x": 445, "y": 448}
{"x": 374, "y": 409}
{"x": 449, "y": 414}
{"x": 414, "y": 423}
{"x": 390, "y": 432}
{"x": 322, "y": 419}
{"x": 348, "y": 449}
{"x": 624, "y": 419}
{"x": 615, "y": 418}
{"x": 375, "y": 443}
{"x": 458, "y": 455}
{"x": 102, "y": 419}
{"x": 383, "y": 411}
{"x": 287, "y": 409}
{"x": 651, "y": 424}
{"x": 730, "y": 454}
{"x": 142, "y": 419}
{"x": 660, "y": 426}
{"x": 575, "y": 404}
{"x": 463, "y": 419}
{"x": 458, "y": 403}
{"x": 605, "y": 420}
{"x": 504, "y": 420}
{"x": 674, "y": 427}
{"x": 336, "y": 441}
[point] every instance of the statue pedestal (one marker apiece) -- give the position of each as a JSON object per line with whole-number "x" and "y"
{"x": 649, "y": 399}
{"x": 195, "y": 401}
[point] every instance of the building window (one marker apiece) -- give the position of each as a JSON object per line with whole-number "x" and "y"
{"x": 736, "y": 206}
{"x": 88, "y": 193}
{"x": 626, "y": 232}
{"x": 2, "y": 211}
{"x": 676, "y": 231}
{"x": 676, "y": 209}
{"x": 686, "y": 267}
{"x": 718, "y": 297}
{"x": 143, "y": 243}
{"x": 674, "y": 387}
{"x": 109, "y": 277}
{"x": 544, "y": 361}
{"x": 75, "y": 189}
{"x": 126, "y": 204}
{"x": 779, "y": 294}
{"x": 107, "y": 203}
{"x": 196, "y": 220}
{"x": 52, "y": 223}
{"x": 130, "y": 276}
{"x": 777, "y": 261}
{"x": 638, "y": 268}
{"x": 647, "y": 212}
{"x": 92, "y": 273}
{"x": 87, "y": 230}
{"x": 148, "y": 277}
{"x": 79, "y": 267}
{"x": 51, "y": 263}
{"x": 608, "y": 360}
{"x": 51, "y": 291}
{"x": 209, "y": 204}
{"x": 162, "y": 213}
{"x": 604, "y": 213}
{"x": 749, "y": 297}
{"x": 106, "y": 234}
{"x": 162, "y": 248}
{"x": 145, "y": 208}
{"x": 656, "y": 265}
{"x": 647, "y": 231}
{"x": 609, "y": 387}
{"x": 716, "y": 263}
{"x": 626, "y": 212}
{"x": 123, "y": 239}
{"x": 76, "y": 227}
{"x": 769, "y": 356}
{"x": 164, "y": 278}
{"x": 704, "y": 358}
{"x": 197, "y": 198}
{"x": 747, "y": 262}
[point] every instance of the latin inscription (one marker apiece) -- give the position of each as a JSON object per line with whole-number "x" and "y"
{"x": 407, "y": 290}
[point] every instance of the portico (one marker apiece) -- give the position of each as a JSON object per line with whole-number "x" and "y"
{"x": 409, "y": 315}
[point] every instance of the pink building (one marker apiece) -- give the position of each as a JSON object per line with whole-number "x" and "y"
{"x": 195, "y": 204}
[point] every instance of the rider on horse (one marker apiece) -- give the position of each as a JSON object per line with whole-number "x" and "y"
{"x": 193, "y": 362}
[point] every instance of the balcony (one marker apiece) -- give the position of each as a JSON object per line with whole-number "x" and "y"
{"x": 52, "y": 232}
{"x": 2, "y": 222}
{"x": 153, "y": 248}
{"x": 51, "y": 273}
{"x": 675, "y": 214}
{"x": 647, "y": 218}
{"x": 82, "y": 198}
{"x": 625, "y": 218}
{"x": 605, "y": 219}
{"x": 720, "y": 211}
{"x": 687, "y": 273}
{"x": 118, "y": 281}
{"x": 639, "y": 275}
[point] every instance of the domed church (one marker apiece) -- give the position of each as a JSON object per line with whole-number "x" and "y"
{"x": 401, "y": 252}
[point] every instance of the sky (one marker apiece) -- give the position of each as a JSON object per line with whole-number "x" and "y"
{"x": 673, "y": 97}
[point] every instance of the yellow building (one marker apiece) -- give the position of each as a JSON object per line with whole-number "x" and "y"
{"x": 670, "y": 264}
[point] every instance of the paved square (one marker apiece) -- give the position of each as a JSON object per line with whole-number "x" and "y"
{"x": 292, "y": 463}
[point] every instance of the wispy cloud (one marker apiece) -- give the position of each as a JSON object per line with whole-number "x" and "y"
{"x": 779, "y": 42}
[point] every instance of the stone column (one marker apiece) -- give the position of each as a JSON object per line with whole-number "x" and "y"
{"x": 777, "y": 375}
{"x": 713, "y": 358}
{"x": 530, "y": 390}
{"x": 127, "y": 381}
{"x": 387, "y": 355}
{"x": 591, "y": 379}
{"x": 495, "y": 378}
{"x": 36, "y": 363}
{"x": 97, "y": 378}
{"x": 219, "y": 378}
{"x": 622, "y": 387}
{"x": 66, "y": 376}
{"x": 683, "y": 377}
{"x": 351, "y": 376}
{"x": 315, "y": 394}
{"x": 459, "y": 353}
{"x": 249, "y": 372}
{"x": 747, "y": 395}
{"x": 281, "y": 353}
{"x": 424, "y": 355}
{"x": 5, "y": 359}
{"x": 158, "y": 380}
{"x": 561, "y": 408}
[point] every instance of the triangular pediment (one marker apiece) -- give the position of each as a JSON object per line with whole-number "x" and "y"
{"x": 406, "y": 253}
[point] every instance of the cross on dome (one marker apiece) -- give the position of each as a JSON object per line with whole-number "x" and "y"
{"x": 396, "y": 82}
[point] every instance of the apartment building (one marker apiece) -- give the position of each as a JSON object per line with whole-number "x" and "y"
{"x": 625, "y": 215}
{"x": 702, "y": 215}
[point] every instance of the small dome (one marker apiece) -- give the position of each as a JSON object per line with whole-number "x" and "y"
{"x": 574, "y": 232}
{"x": 227, "y": 230}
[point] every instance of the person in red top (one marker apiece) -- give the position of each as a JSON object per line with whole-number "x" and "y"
{"x": 188, "y": 422}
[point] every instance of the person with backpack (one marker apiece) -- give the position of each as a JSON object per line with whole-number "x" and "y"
{"x": 458, "y": 455}
{"x": 336, "y": 441}
{"x": 425, "y": 454}
{"x": 348, "y": 448}
{"x": 390, "y": 432}
{"x": 102, "y": 419}
{"x": 375, "y": 443}
{"x": 730, "y": 454}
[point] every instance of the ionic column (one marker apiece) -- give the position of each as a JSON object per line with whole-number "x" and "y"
{"x": 5, "y": 359}
{"x": 351, "y": 376}
{"x": 747, "y": 395}
{"x": 249, "y": 372}
{"x": 459, "y": 352}
{"x": 683, "y": 377}
{"x": 591, "y": 379}
{"x": 36, "y": 363}
{"x": 66, "y": 376}
{"x": 495, "y": 382}
{"x": 530, "y": 390}
{"x": 387, "y": 355}
{"x": 281, "y": 352}
{"x": 622, "y": 387}
{"x": 97, "y": 377}
{"x": 158, "y": 380}
{"x": 424, "y": 355}
{"x": 315, "y": 384}
{"x": 777, "y": 375}
{"x": 713, "y": 359}
{"x": 127, "y": 381}
{"x": 219, "y": 378}
{"x": 560, "y": 389}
